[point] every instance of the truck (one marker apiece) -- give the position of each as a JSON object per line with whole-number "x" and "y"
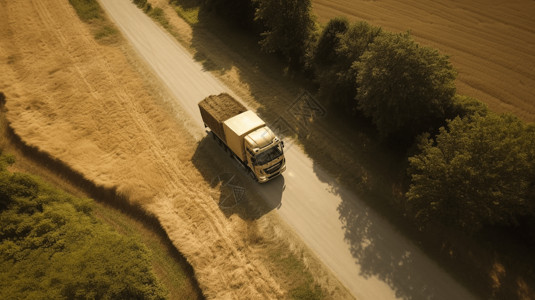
{"x": 244, "y": 135}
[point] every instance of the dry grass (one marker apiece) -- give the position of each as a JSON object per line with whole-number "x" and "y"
{"x": 85, "y": 104}
{"x": 170, "y": 267}
{"x": 347, "y": 148}
{"x": 270, "y": 235}
{"x": 90, "y": 12}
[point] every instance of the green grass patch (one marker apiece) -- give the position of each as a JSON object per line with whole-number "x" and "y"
{"x": 87, "y": 10}
{"x": 159, "y": 257}
{"x": 187, "y": 10}
{"x": 53, "y": 247}
{"x": 90, "y": 12}
{"x": 140, "y": 3}
{"x": 300, "y": 283}
{"x": 170, "y": 268}
{"x": 190, "y": 15}
{"x": 105, "y": 33}
{"x": 158, "y": 15}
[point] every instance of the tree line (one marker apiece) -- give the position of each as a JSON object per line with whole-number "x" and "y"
{"x": 52, "y": 247}
{"x": 473, "y": 167}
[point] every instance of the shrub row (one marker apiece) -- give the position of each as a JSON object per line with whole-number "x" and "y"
{"x": 51, "y": 246}
{"x": 473, "y": 168}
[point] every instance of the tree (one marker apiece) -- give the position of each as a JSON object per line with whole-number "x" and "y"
{"x": 329, "y": 41}
{"x": 464, "y": 106}
{"x": 478, "y": 171}
{"x": 289, "y": 28}
{"x": 239, "y": 12}
{"x": 405, "y": 89}
{"x": 336, "y": 72}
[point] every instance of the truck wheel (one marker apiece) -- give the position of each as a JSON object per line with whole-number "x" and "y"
{"x": 253, "y": 176}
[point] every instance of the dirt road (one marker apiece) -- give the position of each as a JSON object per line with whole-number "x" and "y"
{"x": 371, "y": 259}
{"x": 491, "y": 43}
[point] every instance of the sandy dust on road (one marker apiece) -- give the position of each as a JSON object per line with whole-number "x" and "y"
{"x": 491, "y": 43}
{"x": 83, "y": 103}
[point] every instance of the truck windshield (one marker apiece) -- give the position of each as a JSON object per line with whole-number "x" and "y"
{"x": 268, "y": 155}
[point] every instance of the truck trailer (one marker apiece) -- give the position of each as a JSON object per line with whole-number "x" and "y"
{"x": 244, "y": 135}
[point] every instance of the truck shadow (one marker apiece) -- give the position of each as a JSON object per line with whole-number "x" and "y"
{"x": 231, "y": 188}
{"x": 368, "y": 169}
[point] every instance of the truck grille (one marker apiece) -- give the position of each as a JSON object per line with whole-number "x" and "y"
{"x": 273, "y": 168}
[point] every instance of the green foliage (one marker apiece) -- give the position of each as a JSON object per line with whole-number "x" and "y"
{"x": 355, "y": 41}
{"x": 464, "y": 106}
{"x": 335, "y": 66}
{"x": 52, "y": 247}
{"x": 90, "y": 12}
{"x": 300, "y": 283}
{"x": 406, "y": 89}
{"x": 105, "y": 32}
{"x": 289, "y": 28}
{"x": 239, "y": 12}
{"x": 87, "y": 10}
{"x": 190, "y": 15}
{"x": 329, "y": 41}
{"x": 140, "y": 3}
{"x": 311, "y": 292}
{"x": 6, "y": 160}
{"x": 479, "y": 171}
{"x": 158, "y": 15}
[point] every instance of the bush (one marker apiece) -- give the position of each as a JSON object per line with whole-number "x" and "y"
{"x": 158, "y": 15}
{"x": 335, "y": 67}
{"x": 289, "y": 29}
{"x": 90, "y": 12}
{"x": 238, "y": 12}
{"x": 87, "y": 10}
{"x": 325, "y": 51}
{"x": 52, "y": 247}
{"x": 479, "y": 170}
{"x": 464, "y": 106}
{"x": 140, "y": 3}
{"x": 404, "y": 88}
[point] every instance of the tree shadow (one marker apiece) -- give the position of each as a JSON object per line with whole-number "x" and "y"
{"x": 346, "y": 153}
{"x": 372, "y": 174}
{"x": 210, "y": 60}
{"x": 486, "y": 265}
{"x": 109, "y": 197}
{"x": 369, "y": 168}
{"x": 385, "y": 255}
{"x": 232, "y": 189}
{"x": 366, "y": 214}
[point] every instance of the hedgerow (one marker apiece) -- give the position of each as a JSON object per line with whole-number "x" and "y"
{"x": 51, "y": 246}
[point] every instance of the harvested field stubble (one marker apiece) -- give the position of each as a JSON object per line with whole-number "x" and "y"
{"x": 491, "y": 43}
{"x": 84, "y": 104}
{"x": 354, "y": 156}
